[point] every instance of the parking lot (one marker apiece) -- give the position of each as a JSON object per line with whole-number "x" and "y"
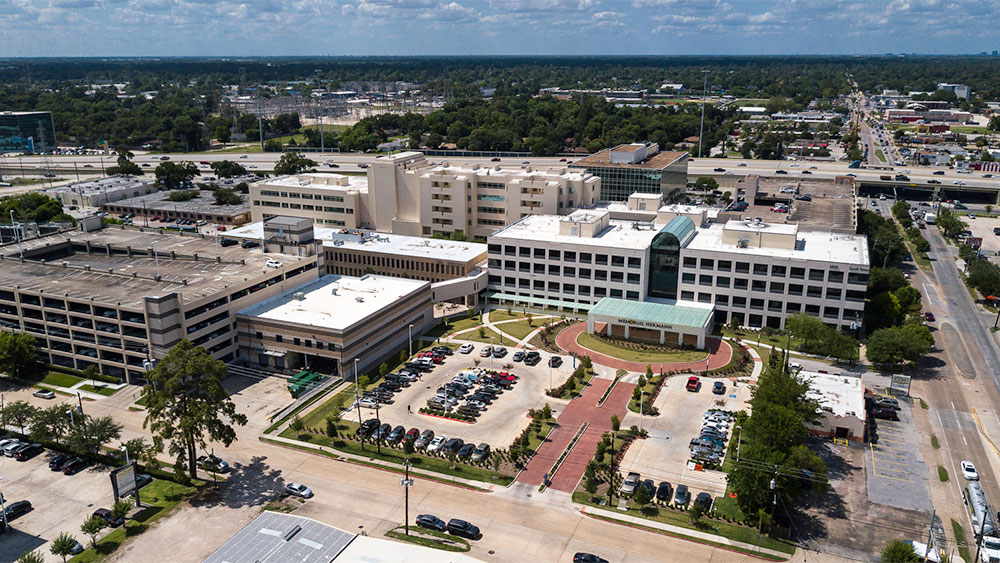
{"x": 665, "y": 454}
{"x": 897, "y": 474}
{"x": 60, "y": 503}
{"x": 502, "y": 420}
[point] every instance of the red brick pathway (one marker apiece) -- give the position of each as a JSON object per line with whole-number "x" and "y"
{"x": 719, "y": 351}
{"x": 582, "y": 409}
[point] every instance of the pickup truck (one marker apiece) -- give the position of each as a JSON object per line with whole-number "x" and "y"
{"x": 631, "y": 480}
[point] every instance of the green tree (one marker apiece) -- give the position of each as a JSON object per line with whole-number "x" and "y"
{"x": 31, "y": 557}
{"x": 898, "y": 551}
{"x": 291, "y": 163}
{"x": 695, "y": 513}
{"x": 546, "y": 412}
{"x": 616, "y": 423}
{"x": 187, "y": 405}
{"x": 17, "y": 352}
{"x": 222, "y": 134}
{"x": 91, "y": 433}
{"x": 19, "y": 413}
{"x": 121, "y": 509}
{"x": 92, "y": 526}
{"x": 50, "y": 423}
{"x": 171, "y": 175}
{"x": 228, "y": 169}
{"x": 91, "y": 372}
{"x": 125, "y": 166}
{"x": 408, "y": 448}
{"x": 641, "y": 495}
{"x": 894, "y": 346}
{"x": 227, "y": 196}
{"x": 140, "y": 450}
{"x": 706, "y": 183}
{"x": 63, "y": 546}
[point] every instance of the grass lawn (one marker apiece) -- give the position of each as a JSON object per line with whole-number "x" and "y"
{"x": 942, "y": 474}
{"x": 106, "y": 391}
{"x": 963, "y": 129}
{"x": 647, "y": 390}
{"x": 159, "y": 498}
{"x": 587, "y": 376}
{"x": 393, "y": 455}
{"x": 708, "y": 525}
{"x": 727, "y": 507}
{"x": 32, "y": 181}
{"x": 60, "y": 379}
{"x": 451, "y": 327}
{"x": 750, "y": 337}
{"x": 500, "y": 315}
{"x": 880, "y": 155}
{"x": 744, "y": 102}
{"x": 960, "y": 539}
{"x": 764, "y": 353}
{"x": 429, "y": 538}
{"x": 520, "y": 329}
{"x": 485, "y": 338}
{"x": 591, "y": 342}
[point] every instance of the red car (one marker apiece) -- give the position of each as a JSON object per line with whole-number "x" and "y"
{"x": 693, "y": 384}
{"x": 929, "y": 316}
{"x": 220, "y": 228}
{"x": 886, "y": 413}
{"x": 411, "y": 434}
{"x": 437, "y": 358}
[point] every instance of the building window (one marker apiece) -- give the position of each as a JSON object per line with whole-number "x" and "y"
{"x": 791, "y": 307}
{"x": 777, "y": 287}
{"x": 585, "y": 258}
{"x": 690, "y": 262}
{"x": 722, "y": 299}
{"x": 860, "y": 279}
{"x": 687, "y": 278}
{"x": 634, "y": 262}
{"x": 554, "y": 254}
{"x": 760, "y": 269}
{"x": 757, "y": 304}
{"x": 743, "y": 267}
{"x": 835, "y": 277}
{"x": 617, "y": 277}
{"x": 739, "y": 302}
{"x": 585, "y": 273}
{"x": 633, "y": 278}
{"x": 740, "y": 283}
{"x": 833, "y": 293}
{"x": 794, "y": 289}
{"x": 816, "y": 275}
{"x": 814, "y": 291}
{"x": 798, "y": 273}
{"x": 601, "y": 260}
{"x": 569, "y": 271}
{"x": 705, "y": 280}
{"x": 600, "y": 292}
{"x": 707, "y": 264}
{"x": 722, "y": 281}
{"x": 704, "y": 297}
{"x": 618, "y": 261}
{"x": 831, "y": 312}
{"x": 687, "y": 295}
{"x": 725, "y": 265}
{"x": 759, "y": 285}
{"x": 601, "y": 275}
{"x": 569, "y": 256}
{"x": 778, "y": 271}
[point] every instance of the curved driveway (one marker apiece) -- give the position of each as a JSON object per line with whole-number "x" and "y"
{"x": 719, "y": 352}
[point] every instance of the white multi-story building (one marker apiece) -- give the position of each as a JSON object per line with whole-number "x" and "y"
{"x": 755, "y": 272}
{"x": 407, "y": 195}
{"x": 332, "y": 200}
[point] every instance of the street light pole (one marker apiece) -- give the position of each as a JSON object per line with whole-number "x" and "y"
{"x": 409, "y": 336}
{"x": 739, "y": 439}
{"x": 491, "y": 353}
{"x": 357, "y": 401}
{"x": 406, "y": 482}
{"x": 704, "y": 95}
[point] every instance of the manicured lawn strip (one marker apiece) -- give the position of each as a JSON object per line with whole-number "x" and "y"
{"x": 591, "y": 342}
{"x": 678, "y": 518}
{"x": 318, "y": 416}
{"x": 437, "y": 540}
{"x": 159, "y": 499}
{"x": 452, "y": 326}
{"x": 106, "y": 391}
{"x": 727, "y": 507}
{"x": 960, "y": 539}
{"x": 500, "y": 315}
{"x": 942, "y": 474}
{"x": 750, "y": 337}
{"x": 647, "y": 390}
{"x": 587, "y": 376}
{"x": 764, "y": 353}
{"x": 880, "y": 155}
{"x": 487, "y": 333}
{"x": 418, "y": 460}
{"x": 520, "y": 329}
{"x": 60, "y": 379}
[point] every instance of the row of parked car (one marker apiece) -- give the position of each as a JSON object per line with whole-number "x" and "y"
{"x": 710, "y": 445}
{"x": 371, "y": 429}
{"x": 411, "y": 372}
{"x": 664, "y": 492}
{"x": 471, "y": 391}
{"x": 454, "y": 526}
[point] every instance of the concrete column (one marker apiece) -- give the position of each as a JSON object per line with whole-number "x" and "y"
{"x": 680, "y": 338}
{"x": 661, "y": 337}
{"x": 590, "y": 326}
{"x": 701, "y": 340}
{"x": 609, "y": 329}
{"x": 626, "y": 332}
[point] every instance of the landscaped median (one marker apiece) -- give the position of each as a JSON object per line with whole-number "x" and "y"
{"x": 638, "y": 352}
{"x": 429, "y": 538}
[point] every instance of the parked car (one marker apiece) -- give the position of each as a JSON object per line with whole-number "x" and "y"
{"x": 499, "y": 352}
{"x": 582, "y": 557}
{"x": 705, "y": 500}
{"x": 883, "y": 401}
{"x": 481, "y": 452}
{"x": 682, "y": 496}
{"x": 44, "y": 394}
{"x": 273, "y": 263}
{"x": 650, "y": 487}
{"x": 664, "y": 491}
{"x": 436, "y": 443}
{"x": 75, "y": 466}
{"x": 465, "y": 452}
{"x": 531, "y": 358}
{"x": 431, "y": 522}
{"x": 555, "y": 361}
{"x": 299, "y": 490}
{"x": 212, "y": 463}
{"x": 719, "y": 388}
{"x": 693, "y": 384}
{"x": 486, "y": 352}
{"x": 929, "y": 316}
{"x": 462, "y": 528}
{"x": 105, "y": 514}
{"x": 396, "y": 434}
{"x": 453, "y": 445}
{"x": 15, "y": 509}
{"x": 411, "y": 435}
{"x": 518, "y": 356}
{"x": 27, "y": 452}
{"x": 630, "y": 483}
{"x": 466, "y": 348}
{"x": 9, "y": 446}
{"x": 969, "y": 471}
{"x": 142, "y": 480}
{"x": 425, "y": 438}
{"x": 56, "y": 463}
{"x": 885, "y": 413}
{"x": 250, "y": 243}
{"x": 228, "y": 242}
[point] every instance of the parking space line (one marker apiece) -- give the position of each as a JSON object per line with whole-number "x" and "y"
{"x": 888, "y": 462}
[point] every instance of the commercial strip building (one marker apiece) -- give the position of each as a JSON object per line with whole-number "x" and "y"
{"x": 200, "y": 208}
{"x": 95, "y": 193}
{"x": 748, "y": 270}
{"x": 334, "y": 320}
{"x": 841, "y": 399}
{"x": 118, "y": 298}
{"x": 637, "y": 167}
{"x": 26, "y": 131}
{"x": 952, "y": 116}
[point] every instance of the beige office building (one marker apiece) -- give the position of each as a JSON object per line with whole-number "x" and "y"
{"x": 330, "y": 200}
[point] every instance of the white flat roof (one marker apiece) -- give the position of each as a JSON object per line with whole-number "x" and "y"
{"x": 684, "y": 209}
{"x": 502, "y": 174}
{"x": 319, "y": 181}
{"x": 844, "y": 395}
{"x": 816, "y": 245}
{"x": 385, "y": 243}
{"x": 335, "y": 302}
{"x": 545, "y": 228}
{"x": 762, "y": 227}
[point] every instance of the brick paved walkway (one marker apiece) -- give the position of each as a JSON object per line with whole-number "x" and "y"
{"x": 582, "y": 409}
{"x": 719, "y": 350}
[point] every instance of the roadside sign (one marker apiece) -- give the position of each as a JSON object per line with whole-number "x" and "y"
{"x": 974, "y": 242}
{"x": 123, "y": 480}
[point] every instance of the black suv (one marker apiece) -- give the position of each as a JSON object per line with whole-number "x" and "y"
{"x": 555, "y": 361}
{"x": 27, "y": 452}
{"x": 228, "y": 242}
{"x": 462, "y": 528}
{"x": 367, "y": 427}
{"x": 532, "y": 358}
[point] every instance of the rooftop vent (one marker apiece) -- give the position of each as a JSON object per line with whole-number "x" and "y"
{"x": 334, "y": 288}
{"x": 359, "y": 299}
{"x": 743, "y": 243}
{"x": 299, "y": 296}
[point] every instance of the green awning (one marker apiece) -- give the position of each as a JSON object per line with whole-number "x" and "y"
{"x": 649, "y": 312}
{"x": 537, "y": 301}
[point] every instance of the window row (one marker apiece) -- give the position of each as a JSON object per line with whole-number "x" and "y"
{"x": 775, "y": 288}
{"x": 563, "y": 288}
{"x": 566, "y": 256}
{"x": 776, "y": 271}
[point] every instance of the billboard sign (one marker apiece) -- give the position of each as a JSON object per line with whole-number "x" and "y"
{"x": 123, "y": 480}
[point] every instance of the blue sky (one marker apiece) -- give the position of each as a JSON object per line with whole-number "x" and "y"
{"x": 494, "y": 27}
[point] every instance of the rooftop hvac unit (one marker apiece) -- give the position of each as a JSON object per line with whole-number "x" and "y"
{"x": 359, "y": 299}
{"x": 743, "y": 243}
{"x": 299, "y": 296}
{"x": 334, "y": 288}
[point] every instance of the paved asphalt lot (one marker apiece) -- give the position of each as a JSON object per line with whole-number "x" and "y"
{"x": 897, "y": 474}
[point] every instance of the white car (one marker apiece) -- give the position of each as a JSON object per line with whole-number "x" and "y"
{"x": 273, "y": 264}
{"x": 969, "y": 471}
{"x": 436, "y": 443}
{"x": 299, "y": 490}
{"x": 466, "y": 348}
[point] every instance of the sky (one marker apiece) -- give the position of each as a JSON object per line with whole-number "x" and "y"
{"x": 30, "y": 28}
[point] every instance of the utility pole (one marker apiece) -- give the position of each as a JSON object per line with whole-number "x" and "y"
{"x": 982, "y": 527}
{"x": 704, "y": 95}
{"x": 406, "y": 482}
{"x": 930, "y": 536}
